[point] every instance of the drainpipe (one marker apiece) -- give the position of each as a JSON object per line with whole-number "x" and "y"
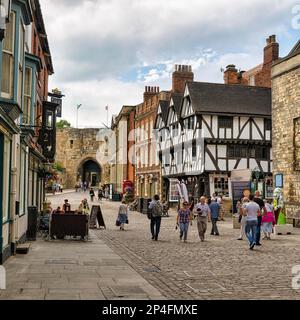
{"x": 13, "y": 196}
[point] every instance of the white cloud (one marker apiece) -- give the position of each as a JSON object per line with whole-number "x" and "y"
{"x": 94, "y": 43}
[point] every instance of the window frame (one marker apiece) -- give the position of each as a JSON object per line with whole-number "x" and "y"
{"x": 11, "y": 54}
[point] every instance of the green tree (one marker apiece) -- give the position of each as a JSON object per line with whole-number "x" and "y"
{"x": 63, "y": 124}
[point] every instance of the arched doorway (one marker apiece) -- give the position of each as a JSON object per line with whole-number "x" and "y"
{"x": 90, "y": 171}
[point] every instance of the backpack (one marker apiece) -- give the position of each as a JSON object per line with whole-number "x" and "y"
{"x": 157, "y": 210}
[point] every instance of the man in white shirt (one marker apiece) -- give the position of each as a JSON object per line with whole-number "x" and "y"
{"x": 203, "y": 211}
{"x": 252, "y": 211}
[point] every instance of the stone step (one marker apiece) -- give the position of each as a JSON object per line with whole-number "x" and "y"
{"x": 23, "y": 248}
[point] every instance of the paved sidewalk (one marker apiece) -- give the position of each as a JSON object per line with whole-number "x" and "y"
{"x": 73, "y": 269}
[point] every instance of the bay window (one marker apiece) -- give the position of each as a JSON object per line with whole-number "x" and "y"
{"x": 21, "y": 61}
{"x": 8, "y": 59}
{"x": 27, "y": 96}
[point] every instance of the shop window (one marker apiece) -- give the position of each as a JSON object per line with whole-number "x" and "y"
{"x": 221, "y": 186}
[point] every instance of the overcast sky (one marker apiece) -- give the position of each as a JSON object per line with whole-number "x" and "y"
{"x": 106, "y": 51}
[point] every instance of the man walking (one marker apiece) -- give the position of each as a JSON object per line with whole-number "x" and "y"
{"x": 252, "y": 211}
{"x": 156, "y": 210}
{"x": 214, "y": 214}
{"x": 260, "y": 202}
{"x": 203, "y": 211}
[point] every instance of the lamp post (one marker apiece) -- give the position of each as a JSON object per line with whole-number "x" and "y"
{"x": 5, "y": 6}
{"x": 78, "y": 106}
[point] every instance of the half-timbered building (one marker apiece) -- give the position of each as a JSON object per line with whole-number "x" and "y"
{"x": 218, "y": 128}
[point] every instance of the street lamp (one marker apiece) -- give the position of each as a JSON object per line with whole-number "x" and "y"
{"x": 78, "y": 106}
{"x": 5, "y": 6}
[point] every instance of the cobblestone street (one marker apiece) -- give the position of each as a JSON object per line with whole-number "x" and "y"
{"x": 219, "y": 268}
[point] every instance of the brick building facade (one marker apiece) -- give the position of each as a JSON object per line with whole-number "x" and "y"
{"x": 286, "y": 127}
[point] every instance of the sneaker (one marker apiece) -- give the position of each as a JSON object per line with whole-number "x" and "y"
{"x": 258, "y": 244}
{"x": 239, "y": 238}
{"x": 152, "y": 237}
{"x": 265, "y": 238}
{"x": 212, "y": 234}
{"x": 217, "y": 234}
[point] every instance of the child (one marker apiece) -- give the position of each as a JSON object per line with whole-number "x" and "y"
{"x": 268, "y": 220}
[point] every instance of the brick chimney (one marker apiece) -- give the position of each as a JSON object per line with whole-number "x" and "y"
{"x": 231, "y": 75}
{"x": 181, "y": 74}
{"x": 271, "y": 51}
{"x": 150, "y": 92}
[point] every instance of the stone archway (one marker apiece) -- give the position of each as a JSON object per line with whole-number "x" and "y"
{"x": 89, "y": 170}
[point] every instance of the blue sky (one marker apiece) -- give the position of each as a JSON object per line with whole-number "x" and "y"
{"x": 106, "y": 51}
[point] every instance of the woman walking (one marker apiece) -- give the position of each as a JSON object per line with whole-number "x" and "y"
{"x": 123, "y": 214}
{"x": 268, "y": 220}
{"x": 242, "y": 217}
{"x": 184, "y": 218}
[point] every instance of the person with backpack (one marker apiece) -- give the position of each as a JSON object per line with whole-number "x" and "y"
{"x": 156, "y": 210}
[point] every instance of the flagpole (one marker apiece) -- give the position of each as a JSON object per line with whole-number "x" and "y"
{"x": 106, "y": 116}
{"x": 78, "y": 106}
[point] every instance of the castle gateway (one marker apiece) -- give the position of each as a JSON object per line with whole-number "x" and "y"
{"x": 84, "y": 155}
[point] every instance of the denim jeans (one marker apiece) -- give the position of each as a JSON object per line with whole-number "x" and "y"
{"x": 184, "y": 228}
{"x": 251, "y": 231}
{"x": 214, "y": 229}
{"x": 155, "y": 226}
{"x": 258, "y": 232}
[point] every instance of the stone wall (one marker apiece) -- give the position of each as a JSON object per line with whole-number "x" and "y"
{"x": 286, "y": 110}
{"x": 74, "y": 147}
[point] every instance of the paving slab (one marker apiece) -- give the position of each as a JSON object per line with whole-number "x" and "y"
{"x": 72, "y": 270}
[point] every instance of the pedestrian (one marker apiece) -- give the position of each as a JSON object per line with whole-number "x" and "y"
{"x": 260, "y": 202}
{"x": 100, "y": 194}
{"x": 66, "y": 206}
{"x": 222, "y": 211}
{"x": 156, "y": 210}
{"x": 84, "y": 186}
{"x": 54, "y": 187}
{"x": 184, "y": 219}
{"x": 268, "y": 221}
{"x": 203, "y": 211}
{"x": 242, "y": 217}
{"x": 106, "y": 192}
{"x": 214, "y": 207}
{"x": 92, "y": 194}
{"x": 123, "y": 215}
{"x": 252, "y": 211}
{"x": 84, "y": 207}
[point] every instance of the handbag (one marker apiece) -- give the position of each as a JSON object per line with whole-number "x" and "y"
{"x": 127, "y": 221}
{"x": 118, "y": 223}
